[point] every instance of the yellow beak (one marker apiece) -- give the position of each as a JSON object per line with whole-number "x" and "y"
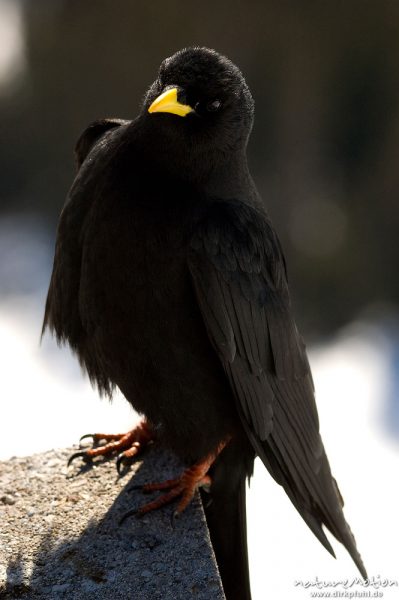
{"x": 168, "y": 102}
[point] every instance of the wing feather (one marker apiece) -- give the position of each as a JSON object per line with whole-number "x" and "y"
{"x": 62, "y": 313}
{"x": 239, "y": 276}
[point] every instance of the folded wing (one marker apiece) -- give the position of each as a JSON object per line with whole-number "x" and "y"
{"x": 239, "y": 276}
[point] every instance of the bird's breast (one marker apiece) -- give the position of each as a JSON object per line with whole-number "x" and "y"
{"x": 141, "y": 316}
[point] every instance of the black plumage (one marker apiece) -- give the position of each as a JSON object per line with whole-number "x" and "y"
{"x": 169, "y": 282}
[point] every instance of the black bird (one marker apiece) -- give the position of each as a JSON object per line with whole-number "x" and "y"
{"x": 169, "y": 282}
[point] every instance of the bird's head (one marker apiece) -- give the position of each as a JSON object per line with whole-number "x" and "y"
{"x": 200, "y": 105}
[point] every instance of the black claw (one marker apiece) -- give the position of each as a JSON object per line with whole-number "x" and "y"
{"x": 119, "y": 463}
{"x": 174, "y": 517}
{"x": 76, "y": 455}
{"x": 129, "y": 513}
{"x": 208, "y": 503}
{"x": 86, "y": 435}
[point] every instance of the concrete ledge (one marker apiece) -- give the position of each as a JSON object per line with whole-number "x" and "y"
{"x": 60, "y": 538}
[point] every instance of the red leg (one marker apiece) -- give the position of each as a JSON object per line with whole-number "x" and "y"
{"x": 183, "y": 487}
{"x": 127, "y": 444}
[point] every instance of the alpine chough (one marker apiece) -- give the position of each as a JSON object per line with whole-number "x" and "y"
{"x": 169, "y": 282}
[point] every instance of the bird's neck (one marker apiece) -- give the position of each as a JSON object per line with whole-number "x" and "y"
{"x": 220, "y": 174}
{"x": 231, "y": 179}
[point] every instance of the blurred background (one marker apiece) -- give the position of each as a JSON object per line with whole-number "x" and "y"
{"x": 324, "y": 154}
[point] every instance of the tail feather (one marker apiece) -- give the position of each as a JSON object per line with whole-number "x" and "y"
{"x": 225, "y": 512}
{"x": 226, "y": 518}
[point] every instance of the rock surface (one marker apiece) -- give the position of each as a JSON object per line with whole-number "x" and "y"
{"x": 60, "y": 538}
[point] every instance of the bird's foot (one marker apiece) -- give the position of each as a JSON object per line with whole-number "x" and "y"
{"x": 127, "y": 445}
{"x": 183, "y": 487}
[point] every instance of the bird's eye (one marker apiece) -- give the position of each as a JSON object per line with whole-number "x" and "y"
{"x": 213, "y": 106}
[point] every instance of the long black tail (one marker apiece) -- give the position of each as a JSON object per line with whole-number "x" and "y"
{"x": 225, "y": 510}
